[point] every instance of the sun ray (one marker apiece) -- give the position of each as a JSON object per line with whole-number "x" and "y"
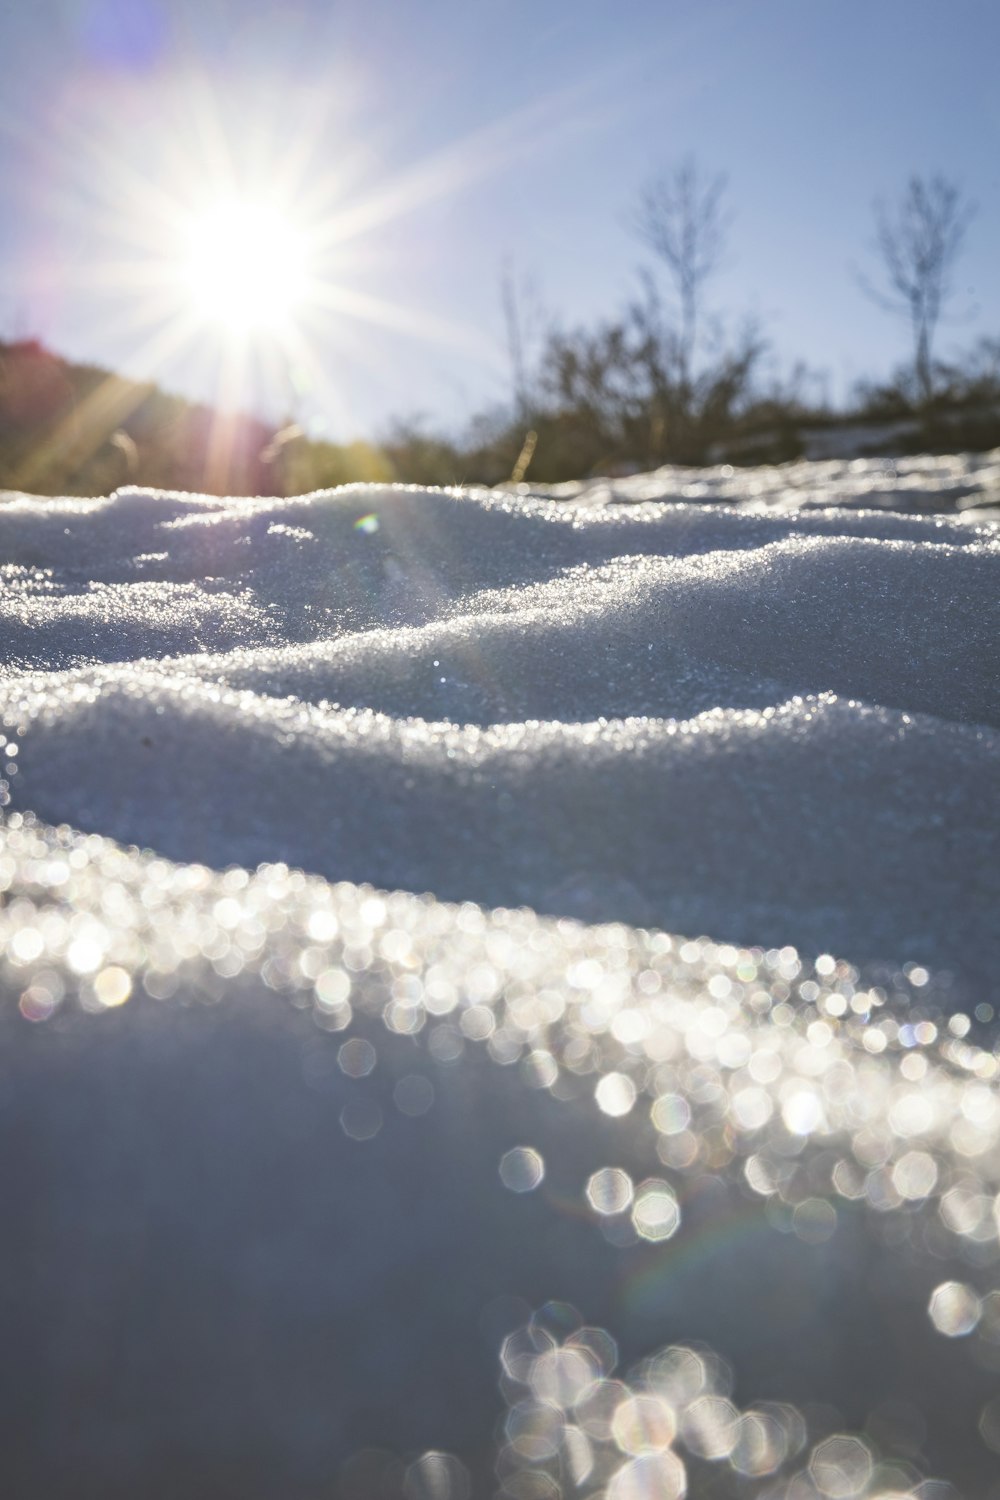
{"x": 239, "y": 258}
{"x": 79, "y": 434}
{"x": 383, "y": 313}
{"x": 471, "y": 159}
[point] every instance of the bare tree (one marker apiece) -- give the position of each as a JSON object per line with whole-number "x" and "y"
{"x": 682, "y": 219}
{"x": 919, "y": 241}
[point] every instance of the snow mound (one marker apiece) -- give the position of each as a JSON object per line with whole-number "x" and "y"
{"x": 771, "y": 727}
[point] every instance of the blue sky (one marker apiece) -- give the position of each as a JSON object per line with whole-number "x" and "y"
{"x": 430, "y": 139}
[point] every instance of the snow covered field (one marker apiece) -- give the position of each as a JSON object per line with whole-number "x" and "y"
{"x": 296, "y": 1148}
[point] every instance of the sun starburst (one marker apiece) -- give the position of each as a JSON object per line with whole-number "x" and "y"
{"x": 244, "y": 265}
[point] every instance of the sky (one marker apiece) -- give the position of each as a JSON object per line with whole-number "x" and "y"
{"x": 420, "y": 146}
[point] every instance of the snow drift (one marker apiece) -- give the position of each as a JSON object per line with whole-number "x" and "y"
{"x": 771, "y": 728}
{"x": 255, "y": 1244}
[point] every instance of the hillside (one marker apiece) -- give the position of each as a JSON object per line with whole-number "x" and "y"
{"x": 76, "y": 429}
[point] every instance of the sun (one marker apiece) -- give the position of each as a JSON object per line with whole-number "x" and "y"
{"x": 244, "y": 265}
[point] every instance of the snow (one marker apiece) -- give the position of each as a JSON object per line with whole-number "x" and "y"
{"x": 959, "y": 483}
{"x": 317, "y": 1087}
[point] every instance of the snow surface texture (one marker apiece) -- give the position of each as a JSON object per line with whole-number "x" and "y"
{"x": 773, "y": 728}
{"x": 960, "y": 483}
{"x": 258, "y": 1247}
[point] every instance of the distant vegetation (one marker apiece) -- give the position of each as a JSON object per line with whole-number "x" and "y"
{"x": 662, "y": 381}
